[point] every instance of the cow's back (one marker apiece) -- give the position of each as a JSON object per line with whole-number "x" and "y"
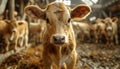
{"x": 22, "y": 26}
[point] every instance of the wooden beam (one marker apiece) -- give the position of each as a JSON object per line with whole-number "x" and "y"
{"x": 104, "y": 14}
{"x": 110, "y": 14}
{"x": 21, "y": 8}
{"x": 11, "y": 9}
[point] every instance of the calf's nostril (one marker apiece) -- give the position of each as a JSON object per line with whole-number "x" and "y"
{"x": 62, "y": 38}
{"x": 55, "y": 38}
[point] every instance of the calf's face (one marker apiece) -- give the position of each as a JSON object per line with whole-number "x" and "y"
{"x": 14, "y": 29}
{"x": 109, "y": 24}
{"x": 11, "y": 28}
{"x": 58, "y": 17}
{"x": 58, "y": 21}
{"x": 109, "y": 29}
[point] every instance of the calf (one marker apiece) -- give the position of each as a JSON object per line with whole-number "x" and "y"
{"x": 82, "y": 29}
{"x": 35, "y": 32}
{"x": 6, "y": 30}
{"x": 20, "y": 34}
{"x": 99, "y": 29}
{"x": 58, "y": 41}
{"x": 111, "y": 30}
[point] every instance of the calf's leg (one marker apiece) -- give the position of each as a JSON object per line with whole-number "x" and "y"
{"x": 26, "y": 40}
{"x": 7, "y": 45}
{"x": 116, "y": 39}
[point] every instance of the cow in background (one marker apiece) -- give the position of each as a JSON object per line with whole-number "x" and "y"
{"x": 20, "y": 34}
{"x": 35, "y": 32}
{"x": 99, "y": 29}
{"x": 6, "y": 30}
{"x": 82, "y": 29}
{"x": 59, "y": 42}
{"x": 111, "y": 30}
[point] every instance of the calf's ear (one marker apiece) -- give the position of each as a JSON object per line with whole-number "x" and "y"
{"x": 11, "y": 23}
{"x": 35, "y": 12}
{"x": 115, "y": 19}
{"x": 20, "y": 23}
{"x": 80, "y": 12}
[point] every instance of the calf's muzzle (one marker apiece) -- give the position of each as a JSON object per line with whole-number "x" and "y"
{"x": 59, "y": 39}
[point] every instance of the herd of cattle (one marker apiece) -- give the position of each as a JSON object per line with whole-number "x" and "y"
{"x": 102, "y": 28}
{"x": 56, "y": 32}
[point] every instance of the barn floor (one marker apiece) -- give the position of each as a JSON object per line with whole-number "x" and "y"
{"x": 90, "y": 56}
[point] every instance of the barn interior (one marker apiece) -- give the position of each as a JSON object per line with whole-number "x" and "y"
{"x": 95, "y": 50}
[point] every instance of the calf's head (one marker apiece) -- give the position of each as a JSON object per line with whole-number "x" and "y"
{"x": 110, "y": 20}
{"x": 58, "y": 20}
{"x": 109, "y": 24}
{"x": 108, "y": 29}
{"x": 11, "y": 28}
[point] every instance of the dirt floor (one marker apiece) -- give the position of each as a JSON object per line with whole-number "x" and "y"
{"x": 98, "y": 56}
{"x": 90, "y": 56}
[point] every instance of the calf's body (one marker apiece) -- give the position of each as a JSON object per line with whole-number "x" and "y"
{"x": 35, "y": 31}
{"x": 82, "y": 29}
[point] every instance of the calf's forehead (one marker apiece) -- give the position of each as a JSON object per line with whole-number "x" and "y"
{"x": 58, "y": 11}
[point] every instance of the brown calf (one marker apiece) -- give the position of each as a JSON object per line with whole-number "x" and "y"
{"x": 99, "y": 29}
{"x": 20, "y": 34}
{"x": 111, "y": 30}
{"x": 6, "y": 30}
{"x": 58, "y": 40}
{"x": 82, "y": 29}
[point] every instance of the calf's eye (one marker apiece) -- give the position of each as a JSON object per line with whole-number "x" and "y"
{"x": 69, "y": 20}
{"x": 47, "y": 20}
{"x": 13, "y": 31}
